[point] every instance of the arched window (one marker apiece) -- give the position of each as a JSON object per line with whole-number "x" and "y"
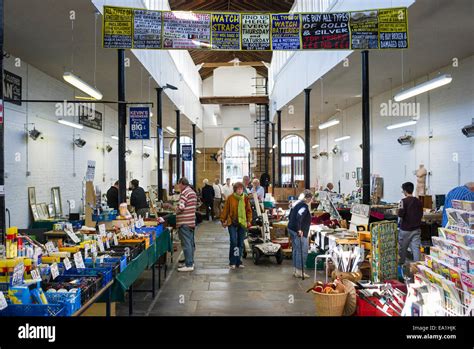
{"x": 236, "y": 158}
{"x": 292, "y": 159}
{"x": 186, "y": 167}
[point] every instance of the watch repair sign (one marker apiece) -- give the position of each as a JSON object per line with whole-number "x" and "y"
{"x": 139, "y": 122}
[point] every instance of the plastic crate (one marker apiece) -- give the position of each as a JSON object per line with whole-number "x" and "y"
{"x": 105, "y": 272}
{"x": 71, "y": 300}
{"x": 121, "y": 260}
{"x": 89, "y": 287}
{"x": 34, "y": 310}
{"x": 114, "y": 267}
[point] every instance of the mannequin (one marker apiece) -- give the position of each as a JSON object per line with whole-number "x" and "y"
{"x": 421, "y": 174}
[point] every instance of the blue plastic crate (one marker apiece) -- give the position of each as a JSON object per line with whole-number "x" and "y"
{"x": 105, "y": 272}
{"x": 71, "y": 300}
{"x": 118, "y": 260}
{"x": 34, "y": 310}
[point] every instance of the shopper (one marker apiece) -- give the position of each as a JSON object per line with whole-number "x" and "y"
{"x": 227, "y": 189}
{"x": 112, "y": 196}
{"x": 186, "y": 223}
{"x": 138, "y": 199}
{"x": 257, "y": 188}
{"x": 247, "y": 185}
{"x": 207, "y": 194}
{"x": 298, "y": 228}
{"x": 329, "y": 187}
{"x": 410, "y": 212}
{"x": 237, "y": 217}
{"x": 464, "y": 192}
{"x": 217, "y": 198}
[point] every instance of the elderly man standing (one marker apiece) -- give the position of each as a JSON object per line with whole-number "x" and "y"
{"x": 256, "y": 188}
{"x": 217, "y": 198}
{"x": 207, "y": 193}
{"x": 186, "y": 222}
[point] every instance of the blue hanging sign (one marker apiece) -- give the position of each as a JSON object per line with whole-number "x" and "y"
{"x": 139, "y": 122}
{"x": 187, "y": 152}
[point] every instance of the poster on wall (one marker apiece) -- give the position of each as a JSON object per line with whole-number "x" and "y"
{"x": 286, "y": 32}
{"x": 90, "y": 117}
{"x": 12, "y": 87}
{"x": 225, "y": 31}
{"x": 146, "y": 29}
{"x": 255, "y": 32}
{"x": 393, "y": 28}
{"x": 364, "y": 30}
{"x": 117, "y": 27}
{"x": 325, "y": 31}
{"x": 186, "y": 30}
{"x": 187, "y": 152}
{"x": 139, "y": 122}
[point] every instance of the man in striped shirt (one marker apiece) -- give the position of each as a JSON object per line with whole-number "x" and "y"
{"x": 464, "y": 192}
{"x": 186, "y": 222}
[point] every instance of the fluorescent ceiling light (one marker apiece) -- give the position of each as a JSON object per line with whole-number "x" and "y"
{"x": 424, "y": 87}
{"x": 274, "y": 146}
{"x": 198, "y": 151}
{"x": 172, "y": 130}
{"x": 114, "y": 137}
{"x": 82, "y": 85}
{"x": 70, "y": 124}
{"x": 328, "y": 124}
{"x": 315, "y": 146}
{"x": 148, "y": 147}
{"x": 401, "y": 124}
{"x": 342, "y": 138}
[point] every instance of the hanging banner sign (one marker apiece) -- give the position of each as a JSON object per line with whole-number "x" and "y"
{"x": 90, "y": 117}
{"x": 187, "y": 152}
{"x": 393, "y": 28}
{"x": 117, "y": 27}
{"x": 255, "y": 32}
{"x": 162, "y": 148}
{"x": 145, "y": 29}
{"x": 225, "y": 31}
{"x": 286, "y": 32}
{"x": 364, "y": 30}
{"x": 186, "y": 30}
{"x": 139, "y": 122}
{"x": 325, "y": 31}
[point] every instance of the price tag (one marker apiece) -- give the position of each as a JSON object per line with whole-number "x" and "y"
{"x": 73, "y": 236}
{"x": 67, "y": 263}
{"x": 86, "y": 250}
{"x": 107, "y": 241}
{"x": 101, "y": 244}
{"x": 93, "y": 249}
{"x": 79, "y": 261}
{"x": 18, "y": 272}
{"x": 123, "y": 231}
{"x": 50, "y": 247}
{"x": 54, "y": 270}
{"x": 102, "y": 231}
{"x": 36, "y": 275}
{"x": 69, "y": 226}
{"x": 115, "y": 240}
{"x": 3, "y": 301}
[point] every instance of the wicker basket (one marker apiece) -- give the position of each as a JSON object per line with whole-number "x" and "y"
{"x": 354, "y": 277}
{"x": 330, "y": 304}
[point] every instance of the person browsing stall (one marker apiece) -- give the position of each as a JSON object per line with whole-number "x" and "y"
{"x": 236, "y": 216}
{"x": 186, "y": 223}
{"x": 256, "y": 188}
{"x": 227, "y": 189}
{"x": 298, "y": 228}
{"x": 138, "y": 198}
{"x": 464, "y": 192}
{"x": 112, "y": 196}
{"x": 410, "y": 212}
{"x": 217, "y": 198}
{"x": 207, "y": 193}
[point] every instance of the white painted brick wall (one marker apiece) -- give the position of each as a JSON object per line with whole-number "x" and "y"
{"x": 451, "y": 108}
{"x": 51, "y": 158}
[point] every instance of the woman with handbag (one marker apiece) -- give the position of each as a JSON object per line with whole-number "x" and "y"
{"x": 237, "y": 217}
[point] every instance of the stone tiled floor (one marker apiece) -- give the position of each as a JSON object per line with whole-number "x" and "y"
{"x": 268, "y": 289}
